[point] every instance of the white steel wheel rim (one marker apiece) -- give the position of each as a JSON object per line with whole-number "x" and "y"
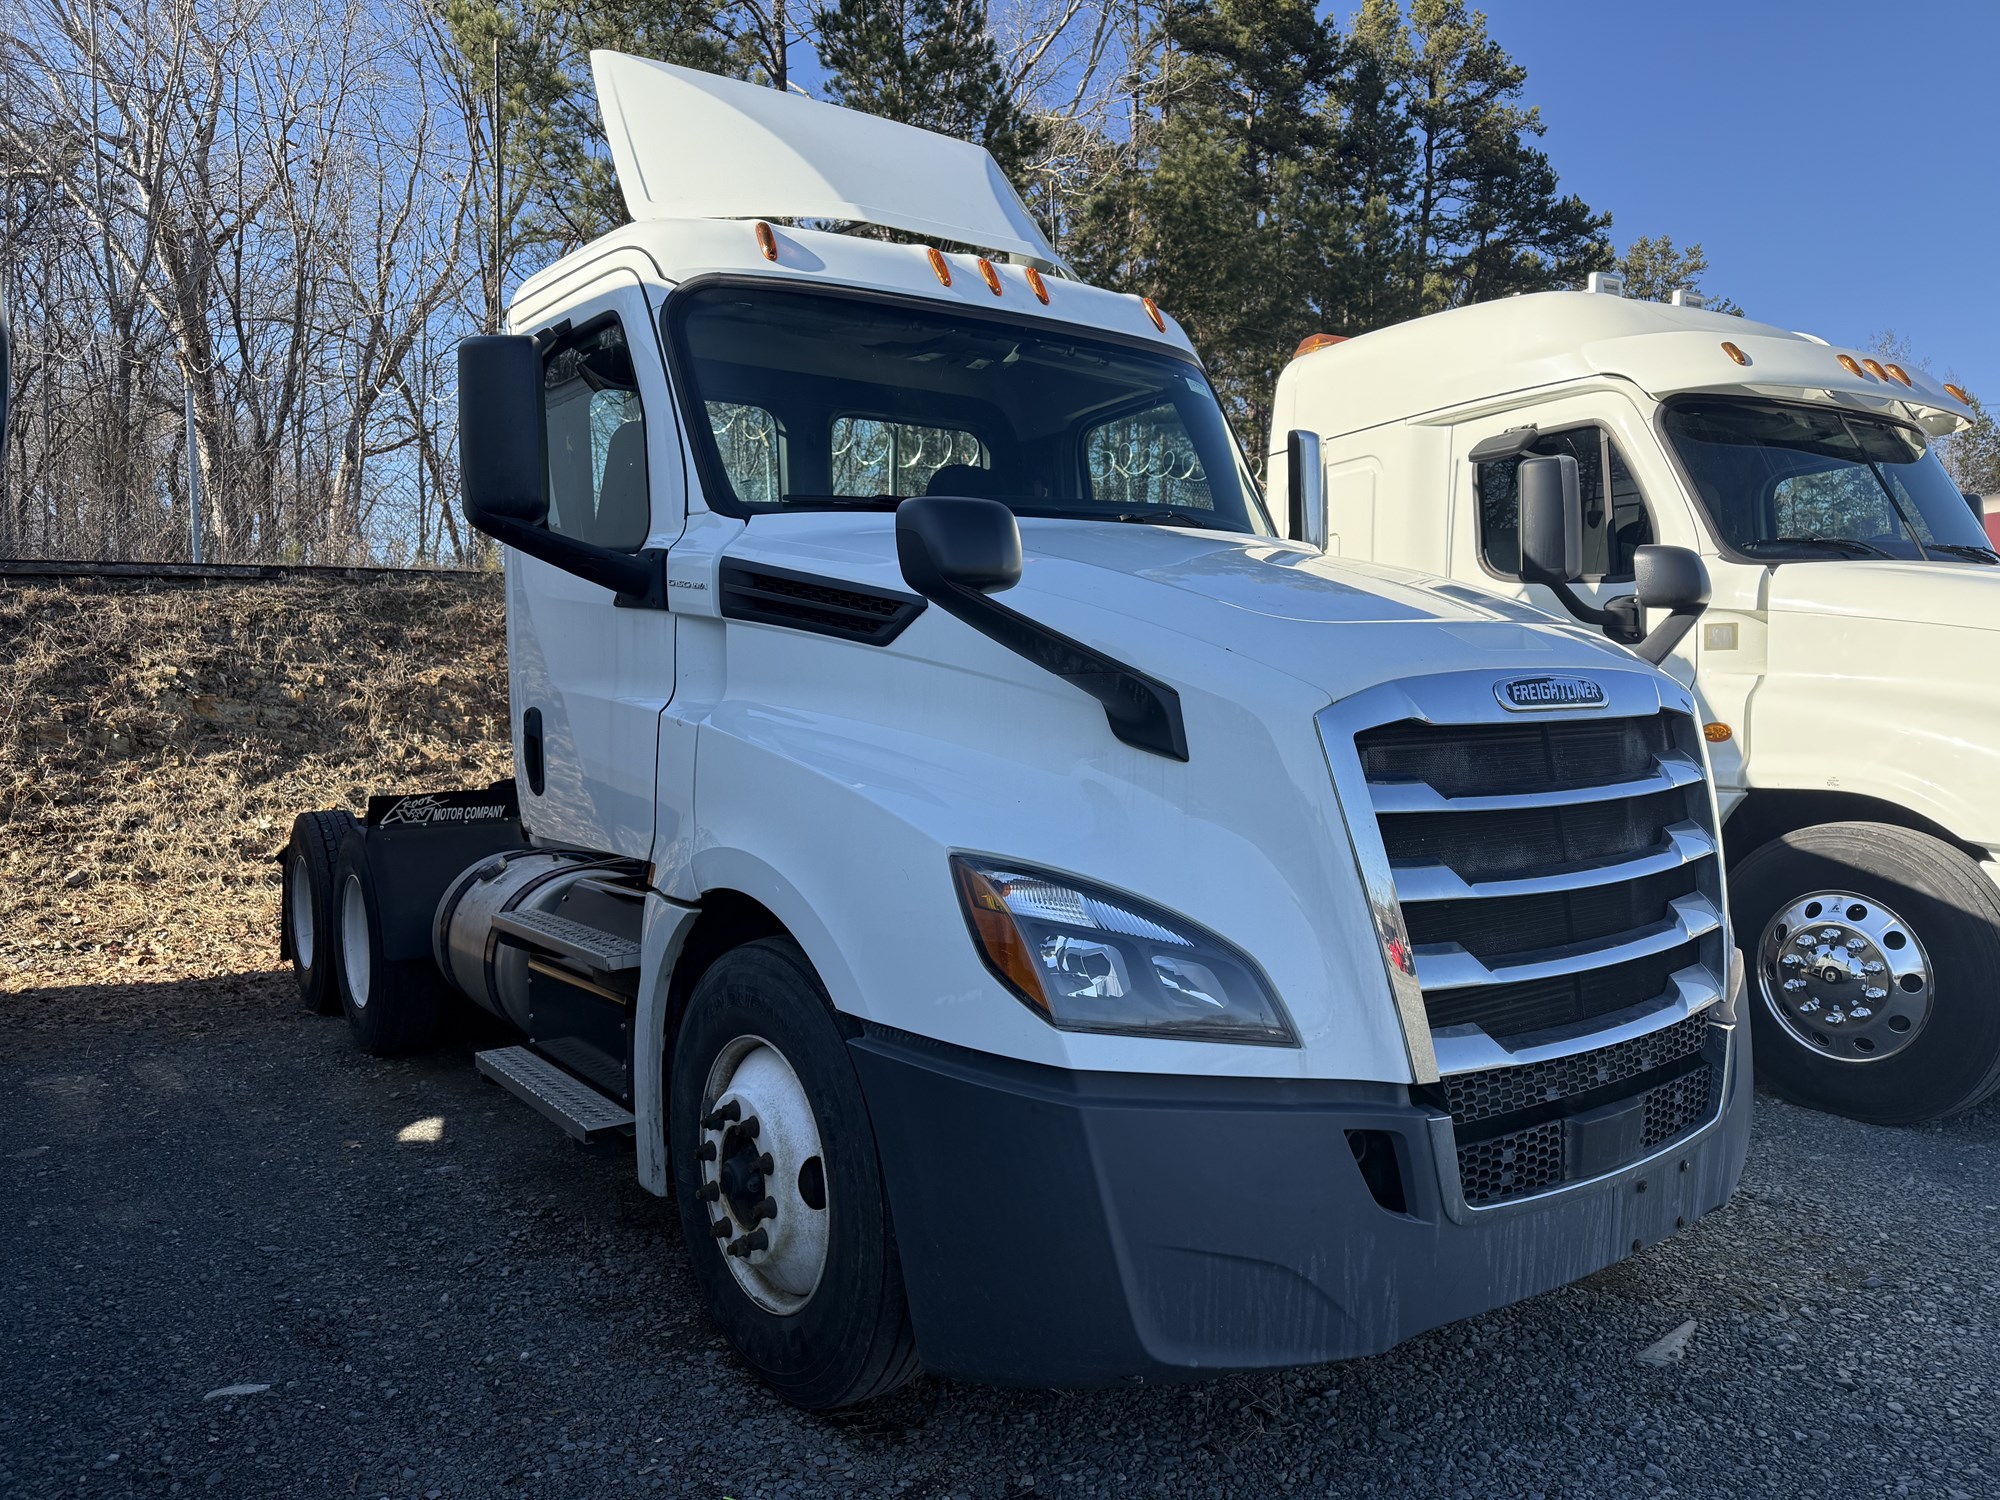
{"x": 763, "y": 1175}
{"x": 299, "y": 912}
{"x": 1846, "y": 976}
{"x": 354, "y": 941}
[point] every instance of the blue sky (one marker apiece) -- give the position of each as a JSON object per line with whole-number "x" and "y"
{"x": 1839, "y": 161}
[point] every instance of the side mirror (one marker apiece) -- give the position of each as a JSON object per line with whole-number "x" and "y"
{"x": 957, "y": 550}
{"x": 503, "y": 471}
{"x": 960, "y": 541}
{"x": 502, "y": 458}
{"x": 1976, "y": 501}
{"x": 1673, "y": 579}
{"x": 1305, "y": 488}
{"x": 1669, "y": 578}
{"x": 1551, "y": 519}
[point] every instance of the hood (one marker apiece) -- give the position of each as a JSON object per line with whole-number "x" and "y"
{"x": 1147, "y": 593}
{"x": 1965, "y": 595}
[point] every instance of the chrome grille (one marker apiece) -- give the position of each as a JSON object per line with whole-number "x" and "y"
{"x": 1547, "y": 874}
{"x": 1547, "y": 889}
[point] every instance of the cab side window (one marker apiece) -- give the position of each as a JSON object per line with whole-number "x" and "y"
{"x": 1615, "y": 521}
{"x": 597, "y": 440}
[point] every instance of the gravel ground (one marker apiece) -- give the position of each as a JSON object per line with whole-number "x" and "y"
{"x": 418, "y": 1288}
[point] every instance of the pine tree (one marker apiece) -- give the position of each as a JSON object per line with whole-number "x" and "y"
{"x": 931, "y": 63}
{"x": 1654, "y": 270}
{"x": 1489, "y": 220}
{"x": 558, "y": 180}
{"x": 1232, "y": 216}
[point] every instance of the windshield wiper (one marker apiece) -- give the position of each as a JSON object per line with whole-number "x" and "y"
{"x": 1166, "y": 515}
{"x": 1964, "y": 549}
{"x": 1851, "y": 545}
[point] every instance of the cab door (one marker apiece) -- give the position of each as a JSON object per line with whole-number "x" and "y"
{"x": 590, "y": 676}
{"x": 1623, "y": 479}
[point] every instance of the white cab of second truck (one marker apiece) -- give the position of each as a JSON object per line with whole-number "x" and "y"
{"x": 1845, "y": 662}
{"x": 1036, "y": 923}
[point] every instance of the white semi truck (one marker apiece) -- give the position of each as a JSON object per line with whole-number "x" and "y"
{"x": 1035, "y": 923}
{"x": 1845, "y": 664}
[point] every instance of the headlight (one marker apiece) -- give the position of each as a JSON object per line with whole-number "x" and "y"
{"x": 1088, "y": 959}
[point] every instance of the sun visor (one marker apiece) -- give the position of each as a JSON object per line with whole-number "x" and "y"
{"x": 690, "y": 145}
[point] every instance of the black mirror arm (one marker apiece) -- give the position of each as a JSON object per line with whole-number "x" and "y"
{"x": 1619, "y": 618}
{"x": 1659, "y": 645}
{"x": 639, "y": 579}
{"x": 1142, "y": 711}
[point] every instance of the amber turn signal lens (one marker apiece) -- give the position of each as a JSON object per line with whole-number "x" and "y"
{"x": 1038, "y": 286}
{"x": 1958, "y": 394}
{"x": 1717, "y": 733}
{"x": 1312, "y": 343}
{"x": 1153, "y": 312}
{"x": 938, "y": 265}
{"x": 993, "y": 925}
{"x": 767, "y": 241}
{"x": 1735, "y": 353}
{"x": 990, "y": 276}
{"x": 1850, "y": 364}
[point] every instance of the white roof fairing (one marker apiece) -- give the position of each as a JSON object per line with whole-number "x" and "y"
{"x": 690, "y": 145}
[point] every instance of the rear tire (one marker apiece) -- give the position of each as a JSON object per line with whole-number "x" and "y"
{"x": 819, "y": 1311}
{"x": 306, "y": 906}
{"x": 1872, "y": 952}
{"x": 392, "y": 1007}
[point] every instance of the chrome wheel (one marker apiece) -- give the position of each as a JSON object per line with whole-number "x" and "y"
{"x": 763, "y": 1177}
{"x": 1845, "y": 976}
{"x": 354, "y": 955}
{"x": 299, "y": 911}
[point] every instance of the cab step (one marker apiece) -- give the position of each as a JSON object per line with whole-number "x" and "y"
{"x": 605, "y": 952}
{"x": 583, "y": 1112}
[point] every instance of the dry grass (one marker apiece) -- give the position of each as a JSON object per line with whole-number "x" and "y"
{"x": 155, "y": 745}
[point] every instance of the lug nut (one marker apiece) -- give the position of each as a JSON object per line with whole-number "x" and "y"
{"x": 749, "y": 1127}
{"x": 750, "y": 1244}
{"x": 707, "y": 1151}
{"x": 720, "y": 1229}
{"x": 722, "y": 1115}
{"x": 767, "y": 1208}
{"x": 765, "y": 1165}
{"x": 710, "y": 1191}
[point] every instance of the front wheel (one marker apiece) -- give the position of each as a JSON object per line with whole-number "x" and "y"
{"x": 1873, "y": 951}
{"x": 778, "y": 1184}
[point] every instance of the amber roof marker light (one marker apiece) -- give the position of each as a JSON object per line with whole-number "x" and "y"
{"x": 938, "y": 265}
{"x": 1038, "y": 286}
{"x": 1735, "y": 353}
{"x": 1896, "y": 373}
{"x": 1153, "y": 312}
{"x": 1852, "y": 365}
{"x": 1874, "y": 367}
{"x": 1717, "y": 733}
{"x": 767, "y": 241}
{"x": 1312, "y": 343}
{"x": 988, "y": 275}
{"x": 1958, "y": 393}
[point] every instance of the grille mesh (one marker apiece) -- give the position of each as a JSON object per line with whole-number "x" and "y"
{"x": 1476, "y": 1097}
{"x": 1526, "y": 1161}
{"x": 1675, "y": 1108}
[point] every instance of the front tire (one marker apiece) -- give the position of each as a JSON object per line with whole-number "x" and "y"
{"x": 779, "y": 1187}
{"x": 393, "y": 1006}
{"x": 1872, "y": 953}
{"x": 306, "y": 906}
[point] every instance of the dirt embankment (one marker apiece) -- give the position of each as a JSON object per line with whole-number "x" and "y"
{"x": 155, "y": 745}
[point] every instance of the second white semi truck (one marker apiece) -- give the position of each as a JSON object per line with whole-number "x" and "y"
{"x": 1845, "y": 664}
{"x": 1035, "y": 922}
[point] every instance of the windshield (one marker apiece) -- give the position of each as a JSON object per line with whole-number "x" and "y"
{"x": 817, "y": 400}
{"x": 1791, "y": 483}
